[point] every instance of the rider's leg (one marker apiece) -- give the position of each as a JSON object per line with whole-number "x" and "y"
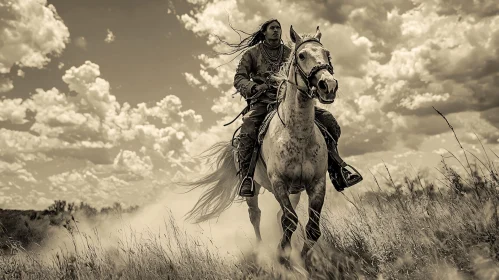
{"x": 247, "y": 139}
{"x": 336, "y": 164}
{"x": 328, "y": 120}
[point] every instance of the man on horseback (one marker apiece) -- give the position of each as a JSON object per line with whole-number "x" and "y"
{"x": 263, "y": 58}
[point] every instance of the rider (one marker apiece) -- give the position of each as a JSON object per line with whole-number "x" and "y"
{"x": 264, "y": 55}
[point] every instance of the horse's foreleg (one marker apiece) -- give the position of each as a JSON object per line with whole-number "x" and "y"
{"x": 295, "y": 199}
{"x": 254, "y": 212}
{"x": 289, "y": 221}
{"x": 316, "y": 194}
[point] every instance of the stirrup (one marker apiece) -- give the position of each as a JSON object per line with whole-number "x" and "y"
{"x": 252, "y": 190}
{"x": 350, "y": 182}
{"x": 337, "y": 176}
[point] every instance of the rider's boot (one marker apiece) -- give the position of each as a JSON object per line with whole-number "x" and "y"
{"x": 245, "y": 149}
{"x": 340, "y": 176}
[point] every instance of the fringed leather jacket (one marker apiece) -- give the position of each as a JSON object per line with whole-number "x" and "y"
{"x": 256, "y": 66}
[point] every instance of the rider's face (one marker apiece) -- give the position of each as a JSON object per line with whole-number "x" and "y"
{"x": 273, "y": 31}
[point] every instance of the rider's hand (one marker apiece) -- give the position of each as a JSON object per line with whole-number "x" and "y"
{"x": 261, "y": 87}
{"x": 258, "y": 88}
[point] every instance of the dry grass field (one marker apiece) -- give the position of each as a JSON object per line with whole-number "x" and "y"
{"x": 414, "y": 231}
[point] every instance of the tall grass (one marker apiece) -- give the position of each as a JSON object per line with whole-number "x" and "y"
{"x": 417, "y": 231}
{"x": 424, "y": 234}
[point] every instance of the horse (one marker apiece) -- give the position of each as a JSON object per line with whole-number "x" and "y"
{"x": 293, "y": 155}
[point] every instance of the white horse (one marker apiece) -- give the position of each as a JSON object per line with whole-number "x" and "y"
{"x": 294, "y": 151}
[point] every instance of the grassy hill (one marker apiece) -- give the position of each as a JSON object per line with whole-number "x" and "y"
{"x": 414, "y": 232}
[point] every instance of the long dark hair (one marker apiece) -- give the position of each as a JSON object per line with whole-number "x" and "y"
{"x": 244, "y": 44}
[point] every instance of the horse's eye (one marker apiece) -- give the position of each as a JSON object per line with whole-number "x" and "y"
{"x": 301, "y": 56}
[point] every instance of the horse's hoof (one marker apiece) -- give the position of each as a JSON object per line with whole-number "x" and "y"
{"x": 308, "y": 263}
{"x": 284, "y": 261}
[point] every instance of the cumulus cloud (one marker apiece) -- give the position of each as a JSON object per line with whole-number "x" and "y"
{"x": 86, "y": 185}
{"x": 31, "y": 33}
{"x": 394, "y": 61}
{"x": 440, "y": 151}
{"x": 116, "y": 143}
{"x": 451, "y": 66}
{"x": 428, "y": 67}
{"x": 367, "y": 104}
{"x": 12, "y": 110}
{"x": 5, "y": 84}
{"x": 492, "y": 116}
{"x": 474, "y": 122}
{"x": 417, "y": 101}
{"x": 191, "y": 80}
{"x": 171, "y": 8}
{"x": 128, "y": 162}
{"x": 407, "y": 154}
{"x": 93, "y": 91}
{"x": 486, "y": 8}
{"x": 15, "y": 169}
{"x": 109, "y": 37}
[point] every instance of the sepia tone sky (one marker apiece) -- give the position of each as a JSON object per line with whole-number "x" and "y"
{"x": 104, "y": 101}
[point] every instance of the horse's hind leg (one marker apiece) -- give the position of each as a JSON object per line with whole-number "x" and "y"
{"x": 316, "y": 194}
{"x": 254, "y": 212}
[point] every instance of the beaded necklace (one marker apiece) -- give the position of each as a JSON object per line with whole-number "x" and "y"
{"x": 273, "y": 61}
{"x": 269, "y": 56}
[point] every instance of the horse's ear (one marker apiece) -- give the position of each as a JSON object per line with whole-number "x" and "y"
{"x": 318, "y": 34}
{"x": 294, "y": 36}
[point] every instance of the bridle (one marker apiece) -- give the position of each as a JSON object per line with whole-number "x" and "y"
{"x": 310, "y": 91}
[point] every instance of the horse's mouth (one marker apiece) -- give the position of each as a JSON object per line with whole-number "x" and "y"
{"x": 326, "y": 98}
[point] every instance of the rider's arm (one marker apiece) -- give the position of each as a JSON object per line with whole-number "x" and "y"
{"x": 242, "y": 80}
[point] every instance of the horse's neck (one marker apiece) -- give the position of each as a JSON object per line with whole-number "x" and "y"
{"x": 297, "y": 111}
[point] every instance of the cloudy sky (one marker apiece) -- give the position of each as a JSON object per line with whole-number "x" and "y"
{"x": 104, "y": 101}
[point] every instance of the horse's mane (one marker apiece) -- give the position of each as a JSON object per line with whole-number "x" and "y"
{"x": 282, "y": 74}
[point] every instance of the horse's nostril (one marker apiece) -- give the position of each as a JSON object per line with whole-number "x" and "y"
{"x": 322, "y": 85}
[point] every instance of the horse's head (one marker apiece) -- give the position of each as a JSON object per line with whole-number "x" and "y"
{"x": 314, "y": 66}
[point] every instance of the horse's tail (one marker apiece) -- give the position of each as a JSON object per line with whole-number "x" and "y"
{"x": 222, "y": 184}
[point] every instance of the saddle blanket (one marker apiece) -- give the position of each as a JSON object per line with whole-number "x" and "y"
{"x": 265, "y": 125}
